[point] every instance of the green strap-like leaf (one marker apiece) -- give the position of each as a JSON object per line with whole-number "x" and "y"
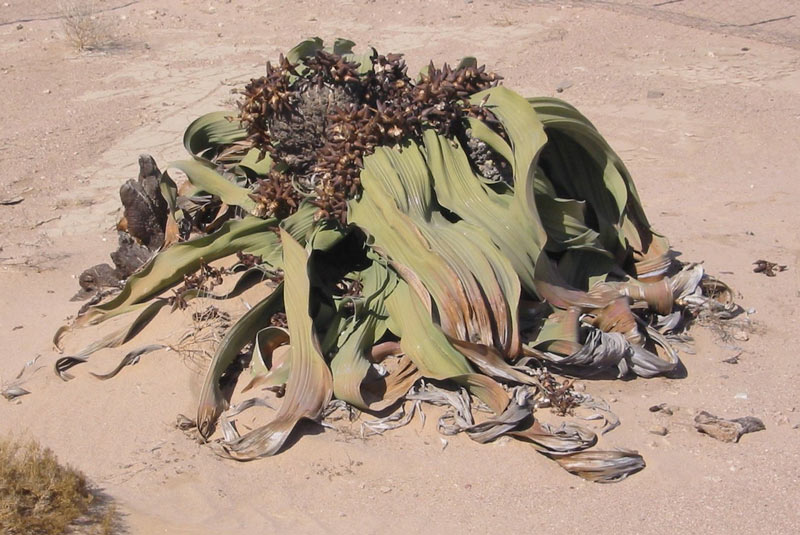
{"x": 473, "y": 286}
{"x": 355, "y": 380}
{"x": 432, "y": 353}
{"x": 169, "y": 267}
{"x": 310, "y": 385}
{"x": 210, "y": 181}
{"x": 460, "y": 191}
{"x": 256, "y": 164}
{"x": 212, "y": 130}
{"x": 212, "y": 401}
{"x": 527, "y": 137}
{"x": 304, "y": 49}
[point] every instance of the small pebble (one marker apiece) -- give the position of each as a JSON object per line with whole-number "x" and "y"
{"x": 741, "y": 395}
{"x": 385, "y": 489}
{"x": 20, "y": 26}
{"x": 742, "y": 336}
{"x": 659, "y": 430}
{"x": 662, "y": 407}
{"x": 566, "y": 84}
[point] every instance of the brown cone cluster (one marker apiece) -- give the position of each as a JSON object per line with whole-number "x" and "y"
{"x": 319, "y": 119}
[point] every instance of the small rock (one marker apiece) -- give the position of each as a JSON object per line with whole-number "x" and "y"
{"x": 46, "y": 91}
{"x": 20, "y": 26}
{"x": 740, "y": 395}
{"x": 726, "y": 430}
{"x": 655, "y": 94}
{"x": 733, "y": 360}
{"x": 385, "y": 489}
{"x": 662, "y": 407}
{"x": 740, "y": 335}
{"x": 659, "y": 430}
{"x": 565, "y": 84}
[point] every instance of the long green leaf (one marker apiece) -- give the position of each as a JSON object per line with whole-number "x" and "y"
{"x": 474, "y": 288}
{"x": 212, "y": 130}
{"x": 212, "y": 402}
{"x": 432, "y": 353}
{"x": 210, "y": 181}
{"x": 169, "y": 267}
{"x": 310, "y": 385}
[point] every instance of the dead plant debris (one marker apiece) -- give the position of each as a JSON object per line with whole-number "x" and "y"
{"x": 727, "y": 430}
{"x": 767, "y": 268}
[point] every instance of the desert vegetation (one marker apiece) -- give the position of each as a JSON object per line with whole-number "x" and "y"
{"x": 435, "y": 238}
{"x": 40, "y": 496}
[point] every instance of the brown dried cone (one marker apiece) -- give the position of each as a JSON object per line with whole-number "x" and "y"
{"x": 276, "y": 196}
{"x": 320, "y": 121}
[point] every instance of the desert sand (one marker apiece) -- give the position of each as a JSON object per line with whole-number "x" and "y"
{"x": 701, "y": 100}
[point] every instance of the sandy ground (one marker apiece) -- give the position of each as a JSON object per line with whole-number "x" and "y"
{"x": 701, "y": 99}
